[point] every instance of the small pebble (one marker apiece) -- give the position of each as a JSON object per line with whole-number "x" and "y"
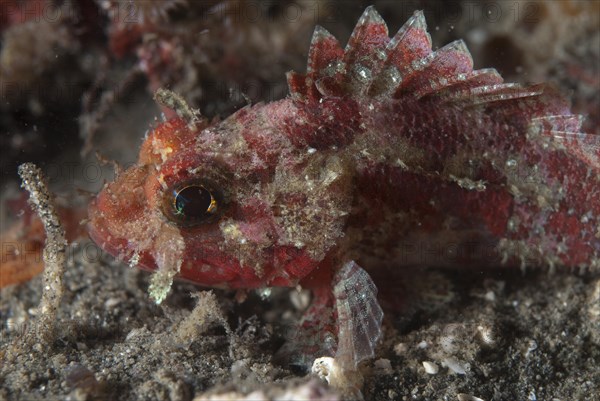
{"x": 430, "y": 367}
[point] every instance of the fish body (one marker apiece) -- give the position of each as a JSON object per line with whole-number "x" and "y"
{"x": 384, "y": 152}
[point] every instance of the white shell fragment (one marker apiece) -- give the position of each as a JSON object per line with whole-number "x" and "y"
{"x": 456, "y": 366}
{"x": 329, "y": 370}
{"x": 430, "y": 367}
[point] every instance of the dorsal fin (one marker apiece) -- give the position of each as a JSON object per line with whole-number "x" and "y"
{"x": 435, "y": 70}
{"x": 368, "y": 39}
{"x": 365, "y": 52}
{"x": 324, "y": 50}
{"x": 374, "y": 65}
{"x": 585, "y": 146}
{"x": 324, "y": 56}
{"x": 562, "y": 131}
{"x": 461, "y": 83}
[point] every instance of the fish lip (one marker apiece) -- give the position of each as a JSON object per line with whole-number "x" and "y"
{"x": 116, "y": 247}
{"x": 121, "y": 251}
{"x": 101, "y": 219}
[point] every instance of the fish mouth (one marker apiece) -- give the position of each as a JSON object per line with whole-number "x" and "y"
{"x": 120, "y": 248}
{"x": 114, "y": 214}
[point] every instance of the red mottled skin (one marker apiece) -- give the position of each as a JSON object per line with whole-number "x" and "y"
{"x": 383, "y": 152}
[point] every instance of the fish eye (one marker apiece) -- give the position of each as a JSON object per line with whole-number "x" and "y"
{"x": 192, "y": 203}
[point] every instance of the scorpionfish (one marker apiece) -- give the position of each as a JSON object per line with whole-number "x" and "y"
{"x": 385, "y": 151}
